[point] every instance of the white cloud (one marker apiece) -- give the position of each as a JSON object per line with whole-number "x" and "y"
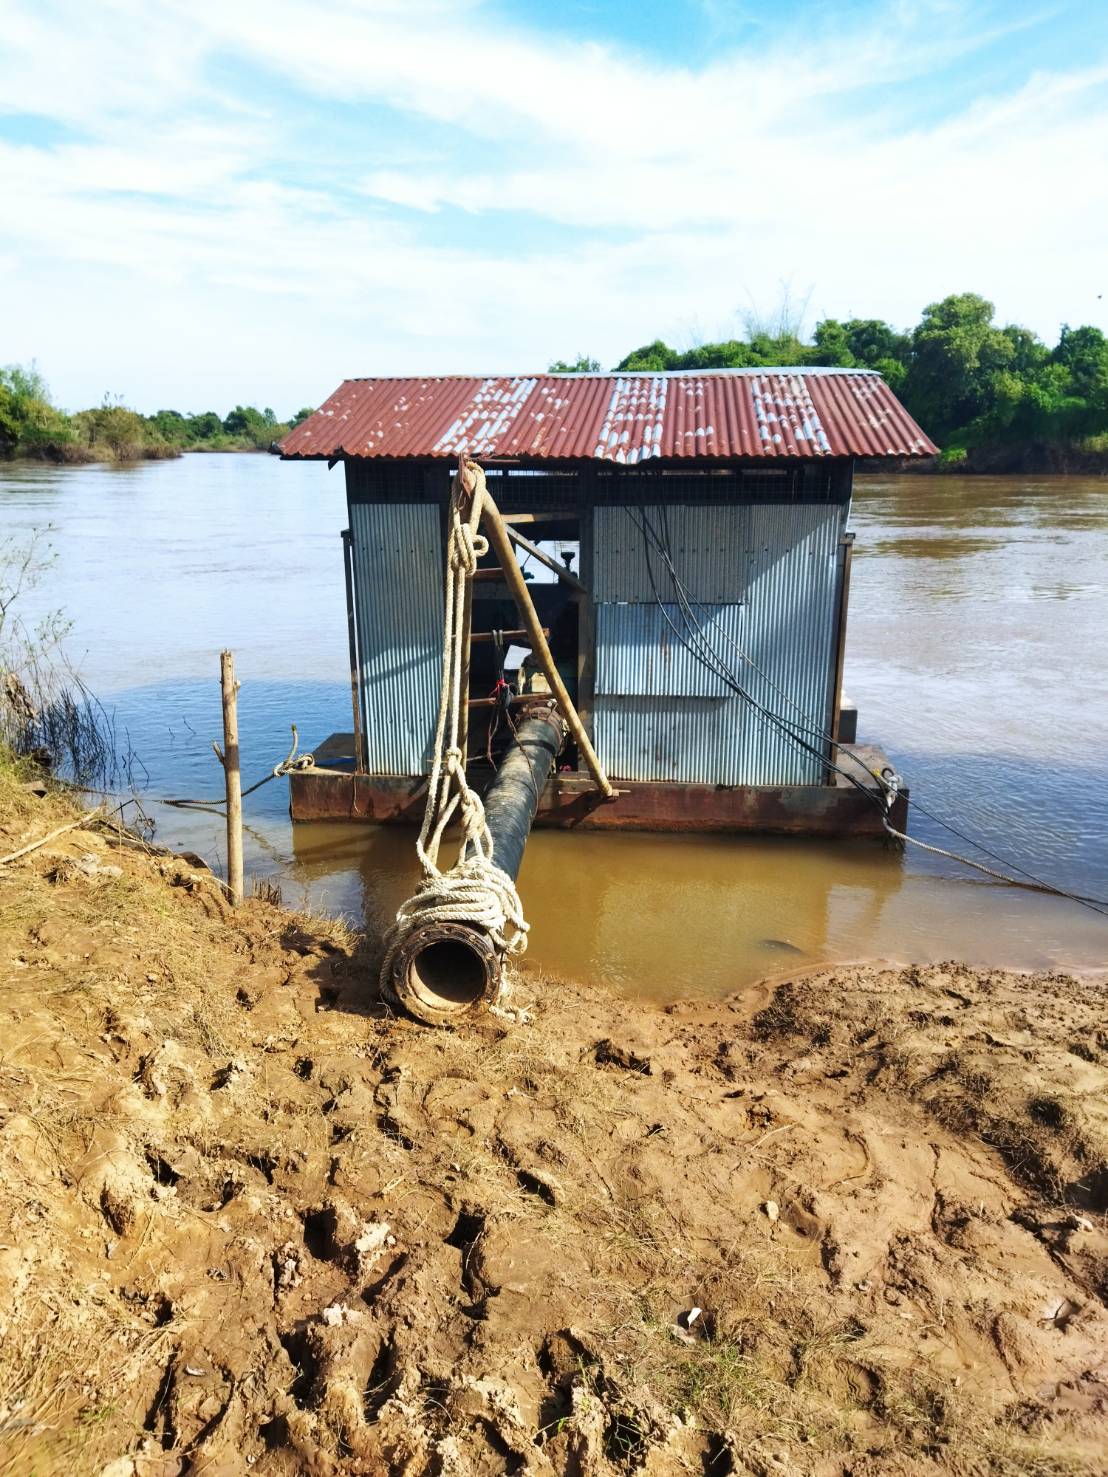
{"x": 191, "y": 232}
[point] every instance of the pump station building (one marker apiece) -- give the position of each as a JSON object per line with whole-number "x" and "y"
{"x": 697, "y": 617}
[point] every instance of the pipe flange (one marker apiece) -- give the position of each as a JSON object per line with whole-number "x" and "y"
{"x": 445, "y": 972}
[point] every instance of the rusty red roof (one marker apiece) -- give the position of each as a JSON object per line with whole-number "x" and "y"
{"x": 624, "y": 418}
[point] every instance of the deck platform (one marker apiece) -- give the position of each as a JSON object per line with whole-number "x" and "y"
{"x": 332, "y": 791}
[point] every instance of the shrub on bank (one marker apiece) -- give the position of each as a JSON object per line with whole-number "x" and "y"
{"x": 112, "y": 433}
{"x": 32, "y": 426}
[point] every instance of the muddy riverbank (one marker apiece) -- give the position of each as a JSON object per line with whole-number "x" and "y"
{"x": 251, "y": 1222}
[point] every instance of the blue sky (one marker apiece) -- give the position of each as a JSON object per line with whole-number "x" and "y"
{"x": 247, "y": 200}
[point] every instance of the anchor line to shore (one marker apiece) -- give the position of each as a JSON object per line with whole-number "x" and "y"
{"x": 887, "y": 779}
{"x": 291, "y": 762}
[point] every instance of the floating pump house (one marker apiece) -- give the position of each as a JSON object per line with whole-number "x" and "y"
{"x": 697, "y": 615}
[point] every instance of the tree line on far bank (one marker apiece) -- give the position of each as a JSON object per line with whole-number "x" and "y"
{"x": 994, "y": 397}
{"x": 990, "y": 395}
{"x": 31, "y": 425}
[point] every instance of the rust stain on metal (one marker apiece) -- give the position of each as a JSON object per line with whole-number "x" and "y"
{"x": 621, "y": 418}
{"x": 570, "y": 802}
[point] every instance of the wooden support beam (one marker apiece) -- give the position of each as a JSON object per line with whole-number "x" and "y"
{"x": 501, "y": 544}
{"x": 484, "y": 636}
{"x": 352, "y": 637}
{"x": 467, "y": 639}
{"x": 586, "y": 633}
{"x": 536, "y": 553}
{"x": 560, "y": 515}
{"x": 847, "y": 546}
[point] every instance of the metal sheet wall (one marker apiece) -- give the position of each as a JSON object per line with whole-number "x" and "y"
{"x": 780, "y": 562}
{"x": 640, "y": 651}
{"x": 398, "y": 602}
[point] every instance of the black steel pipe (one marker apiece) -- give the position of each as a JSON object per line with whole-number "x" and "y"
{"x": 512, "y": 801}
{"x": 444, "y": 969}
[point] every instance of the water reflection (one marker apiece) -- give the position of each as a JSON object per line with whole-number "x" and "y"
{"x": 671, "y": 916}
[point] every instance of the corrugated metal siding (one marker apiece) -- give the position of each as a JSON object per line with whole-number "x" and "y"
{"x": 781, "y": 561}
{"x": 709, "y": 544}
{"x": 691, "y": 741}
{"x": 639, "y": 653}
{"x": 398, "y": 600}
{"x": 622, "y": 418}
{"x": 792, "y": 613}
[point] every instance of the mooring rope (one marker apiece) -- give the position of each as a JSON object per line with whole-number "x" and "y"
{"x": 890, "y": 783}
{"x": 474, "y": 890}
{"x": 292, "y": 762}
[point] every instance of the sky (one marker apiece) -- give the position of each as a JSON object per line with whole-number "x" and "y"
{"x": 210, "y": 203}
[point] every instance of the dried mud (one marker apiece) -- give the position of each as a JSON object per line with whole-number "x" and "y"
{"x": 250, "y": 1222}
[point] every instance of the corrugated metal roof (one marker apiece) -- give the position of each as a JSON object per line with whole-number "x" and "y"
{"x": 622, "y": 418}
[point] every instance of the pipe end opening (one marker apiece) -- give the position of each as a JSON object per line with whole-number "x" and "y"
{"x": 446, "y": 975}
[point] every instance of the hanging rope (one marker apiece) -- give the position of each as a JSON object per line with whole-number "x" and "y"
{"x": 474, "y": 890}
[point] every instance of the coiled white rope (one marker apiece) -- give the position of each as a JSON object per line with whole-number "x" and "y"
{"x": 474, "y": 890}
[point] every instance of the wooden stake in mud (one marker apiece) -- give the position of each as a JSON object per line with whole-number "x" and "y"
{"x": 233, "y": 776}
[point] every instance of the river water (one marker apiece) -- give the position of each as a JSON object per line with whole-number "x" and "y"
{"x": 976, "y": 654}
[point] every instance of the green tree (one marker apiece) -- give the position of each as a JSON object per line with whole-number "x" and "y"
{"x": 956, "y": 352}
{"x": 581, "y": 365}
{"x": 872, "y": 340}
{"x": 832, "y": 344}
{"x": 244, "y": 420}
{"x": 731, "y": 354}
{"x": 653, "y": 356}
{"x": 113, "y": 432}
{"x": 1029, "y": 353}
{"x": 30, "y": 424}
{"x": 203, "y": 427}
{"x": 170, "y": 424}
{"x": 1084, "y": 353}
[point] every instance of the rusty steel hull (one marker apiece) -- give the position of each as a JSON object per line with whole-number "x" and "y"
{"x": 571, "y": 802}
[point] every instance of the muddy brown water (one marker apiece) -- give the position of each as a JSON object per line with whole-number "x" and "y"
{"x": 976, "y": 654}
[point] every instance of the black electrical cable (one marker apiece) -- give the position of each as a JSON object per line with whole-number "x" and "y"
{"x": 716, "y": 665}
{"x": 787, "y": 726}
{"x": 1077, "y": 897}
{"x": 811, "y": 727}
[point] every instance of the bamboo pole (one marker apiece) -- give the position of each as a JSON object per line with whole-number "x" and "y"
{"x": 501, "y": 545}
{"x": 13, "y": 856}
{"x": 232, "y": 775}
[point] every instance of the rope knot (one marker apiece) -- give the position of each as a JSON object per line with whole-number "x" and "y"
{"x": 466, "y": 547}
